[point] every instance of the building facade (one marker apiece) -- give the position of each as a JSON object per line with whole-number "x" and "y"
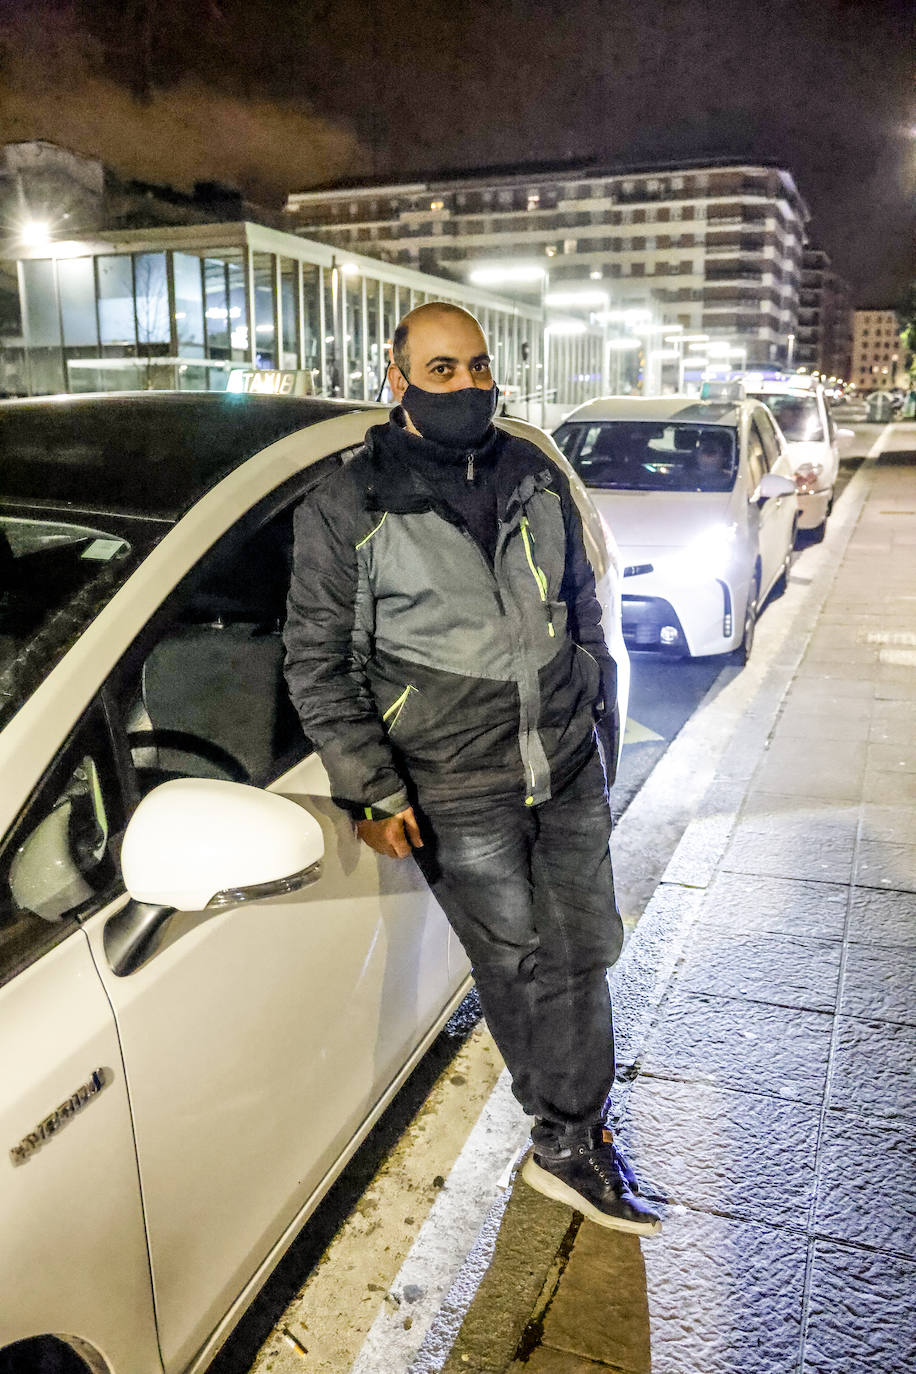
{"x": 824, "y": 318}
{"x": 182, "y": 307}
{"x": 716, "y": 249}
{"x": 877, "y": 350}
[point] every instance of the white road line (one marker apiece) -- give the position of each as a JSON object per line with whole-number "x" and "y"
{"x": 446, "y": 1238}
{"x": 877, "y": 446}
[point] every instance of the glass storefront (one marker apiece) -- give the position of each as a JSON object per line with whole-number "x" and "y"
{"x": 182, "y": 310}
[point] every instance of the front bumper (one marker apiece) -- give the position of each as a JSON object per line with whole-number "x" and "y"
{"x": 706, "y": 618}
{"x": 813, "y": 507}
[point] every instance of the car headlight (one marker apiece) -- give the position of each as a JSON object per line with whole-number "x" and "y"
{"x": 709, "y": 555}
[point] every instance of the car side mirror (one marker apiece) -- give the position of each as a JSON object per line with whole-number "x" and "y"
{"x": 844, "y": 433}
{"x": 772, "y": 485}
{"x": 201, "y": 842}
{"x": 196, "y": 843}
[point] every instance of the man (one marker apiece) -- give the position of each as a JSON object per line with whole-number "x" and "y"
{"x": 445, "y": 653}
{"x": 714, "y": 468}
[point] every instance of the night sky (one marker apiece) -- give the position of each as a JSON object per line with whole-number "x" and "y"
{"x": 277, "y": 95}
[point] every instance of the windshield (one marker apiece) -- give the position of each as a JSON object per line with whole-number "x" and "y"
{"x": 651, "y": 456}
{"x": 55, "y": 578}
{"x": 798, "y": 416}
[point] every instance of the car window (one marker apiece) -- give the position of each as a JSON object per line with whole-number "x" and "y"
{"x": 756, "y": 461}
{"x": 656, "y": 456}
{"x": 568, "y": 437}
{"x": 799, "y": 417}
{"x": 55, "y": 578}
{"x": 61, "y": 859}
{"x": 768, "y": 435}
{"x": 202, "y": 693}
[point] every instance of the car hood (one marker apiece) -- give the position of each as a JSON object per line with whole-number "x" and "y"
{"x": 648, "y": 520}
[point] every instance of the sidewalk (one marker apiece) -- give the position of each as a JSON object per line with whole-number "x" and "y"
{"x": 767, "y": 1035}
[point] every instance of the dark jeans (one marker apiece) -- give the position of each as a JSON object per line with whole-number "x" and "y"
{"x": 529, "y": 891}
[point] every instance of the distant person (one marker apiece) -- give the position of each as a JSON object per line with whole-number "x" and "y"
{"x": 445, "y": 652}
{"x": 713, "y": 462}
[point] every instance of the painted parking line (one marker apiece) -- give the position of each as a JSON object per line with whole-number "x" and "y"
{"x": 878, "y": 446}
{"x": 638, "y": 734}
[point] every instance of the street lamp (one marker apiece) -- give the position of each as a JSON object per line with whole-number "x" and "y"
{"x": 35, "y": 233}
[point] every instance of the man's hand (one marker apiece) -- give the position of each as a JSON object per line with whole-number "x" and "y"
{"x": 393, "y": 837}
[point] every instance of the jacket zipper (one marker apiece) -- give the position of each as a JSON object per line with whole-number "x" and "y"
{"x": 469, "y": 475}
{"x": 537, "y": 573}
{"x": 398, "y": 705}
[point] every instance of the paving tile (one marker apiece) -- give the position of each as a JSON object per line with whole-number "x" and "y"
{"x": 744, "y": 1045}
{"x": 885, "y": 865}
{"x": 874, "y": 1068}
{"x": 889, "y": 789}
{"x": 880, "y": 984}
{"x": 891, "y": 824}
{"x": 782, "y": 855}
{"x": 866, "y": 1185}
{"x": 879, "y": 917}
{"x": 839, "y": 777}
{"x": 546, "y": 1361}
{"x": 894, "y": 756}
{"x": 713, "y": 1149}
{"x": 824, "y": 694}
{"x": 783, "y": 969}
{"x": 783, "y": 906}
{"x": 724, "y": 1297}
{"x": 773, "y": 811}
{"x": 798, "y": 724}
{"x": 601, "y": 1310}
{"x": 860, "y": 1317}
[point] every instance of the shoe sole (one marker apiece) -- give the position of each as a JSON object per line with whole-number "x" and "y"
{"x": 550, "y": 1186}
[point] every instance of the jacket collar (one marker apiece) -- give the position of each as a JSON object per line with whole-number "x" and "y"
{"x": 403, "y": 468}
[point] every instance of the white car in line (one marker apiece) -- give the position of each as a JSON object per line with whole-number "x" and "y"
{"x": 209, "y": 988}
{"x": 802, "y": 413}
{"x": 700, "y": 497}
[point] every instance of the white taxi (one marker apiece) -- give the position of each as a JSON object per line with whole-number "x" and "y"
{"x": 701, "y": 501}
{"x": 800, "y": 406}
{"x": 209, "y": 988}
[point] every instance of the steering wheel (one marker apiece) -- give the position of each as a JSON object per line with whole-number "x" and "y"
{"x": 194, "y": 745}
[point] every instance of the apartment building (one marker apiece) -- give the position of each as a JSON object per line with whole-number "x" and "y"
{"x": 716, "y": 248}
{"x": 824, "y": 317}
{"x": 877, "y": 352}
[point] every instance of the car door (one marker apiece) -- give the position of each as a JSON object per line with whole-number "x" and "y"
{"x": 74, "y": 1255}
{"x": 257, "y": 1039}
{"x": 776, "y": 515}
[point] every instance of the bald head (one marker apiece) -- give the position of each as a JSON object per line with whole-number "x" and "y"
{"x": 439, "y": 347}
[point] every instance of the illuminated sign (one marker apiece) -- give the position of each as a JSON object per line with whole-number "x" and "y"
{"x": 266, "y": 382}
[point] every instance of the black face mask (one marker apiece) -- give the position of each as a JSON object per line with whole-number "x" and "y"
{"x": 455, "y": 419}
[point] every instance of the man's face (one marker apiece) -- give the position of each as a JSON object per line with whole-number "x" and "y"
{"x": 447, "y": 352}
{"x": 708, "y": 457}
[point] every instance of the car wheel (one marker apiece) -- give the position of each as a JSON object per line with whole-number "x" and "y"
{"x": 816, "y": 535}
{"x": 743, "y": 651}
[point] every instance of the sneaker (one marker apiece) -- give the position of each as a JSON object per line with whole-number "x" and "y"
{"x": 632, "y": 1182}
{"x": 593, "y": 1180}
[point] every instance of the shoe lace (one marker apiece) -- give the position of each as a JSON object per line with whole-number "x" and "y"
{"x": 603, "y": 1160}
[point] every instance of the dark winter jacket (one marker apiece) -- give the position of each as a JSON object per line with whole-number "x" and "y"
{"x": 412, "y": 656}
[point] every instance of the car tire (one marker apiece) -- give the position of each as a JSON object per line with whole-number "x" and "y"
{"x": 743, "y": 651}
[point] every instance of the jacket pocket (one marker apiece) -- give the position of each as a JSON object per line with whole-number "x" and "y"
{"x": 593, "y": 676}
{"x": 395, "y": 711}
